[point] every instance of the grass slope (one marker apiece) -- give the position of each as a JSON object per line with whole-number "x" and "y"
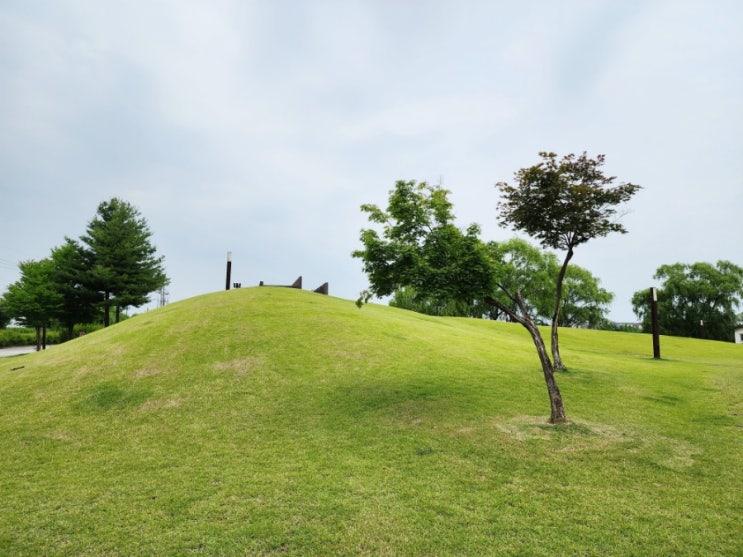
{"x": 269, "y": 421}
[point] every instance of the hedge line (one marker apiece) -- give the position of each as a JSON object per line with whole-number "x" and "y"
{"x": 15, "y": 336}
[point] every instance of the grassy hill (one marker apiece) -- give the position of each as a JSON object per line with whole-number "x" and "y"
{"x": 266, "y": 421}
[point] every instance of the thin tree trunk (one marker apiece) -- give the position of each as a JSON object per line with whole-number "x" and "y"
{"x": 38, "y": 338}
{"x": 106, "y": 308}
{"x": 557, "y": 409}
{"x": 43, "y": 336}
{"x": 555, "y": 344}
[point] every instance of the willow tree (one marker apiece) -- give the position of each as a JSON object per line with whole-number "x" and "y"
{"x": 563, "y": 203}
{"x": 698, "y": 300}
{"x": 533, "y": 272}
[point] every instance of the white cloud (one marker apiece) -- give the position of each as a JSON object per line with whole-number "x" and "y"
{"x": 464, "y": 116}
{"x": 261, "y": 127}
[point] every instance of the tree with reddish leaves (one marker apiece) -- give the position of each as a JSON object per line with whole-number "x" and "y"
{"x": 563, "y": 203}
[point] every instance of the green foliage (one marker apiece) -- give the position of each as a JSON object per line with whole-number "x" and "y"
{"x": 22, "y": 336}
{"x": 121, "y": 261}
{"x": 584, "y": 303}
{"x": 116, "y": 268}
{"x": 5, "y": 317}
{"x": 699, "y": 300}
{"x": 420, "y": 248}
{"x": 407, "y": 298}
{"x": 78, "y": 330}
{"x": 266, "y": 421}
{"x": 534, "y": 273}
{"x": 17, "y": 336}
{"x": 528, "y": 270}
{"x": 33, "y": 300}
{"x": 70, "y": 275}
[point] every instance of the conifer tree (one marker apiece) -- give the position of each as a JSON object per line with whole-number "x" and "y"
{"x": 122, "y": 262}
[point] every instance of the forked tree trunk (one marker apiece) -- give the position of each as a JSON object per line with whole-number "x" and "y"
{"x": 555, "y": 344}
{"x": 557, "y": 414}
{"x": 557, "y": 410}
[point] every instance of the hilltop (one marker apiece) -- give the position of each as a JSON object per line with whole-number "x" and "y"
{"x": 277, "y": 421}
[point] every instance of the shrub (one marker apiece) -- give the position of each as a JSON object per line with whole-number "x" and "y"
{"x": 24, "y": 336}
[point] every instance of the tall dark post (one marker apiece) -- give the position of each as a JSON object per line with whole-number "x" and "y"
{"x": 654, "y": 318}
{"x": 229, "y": 270}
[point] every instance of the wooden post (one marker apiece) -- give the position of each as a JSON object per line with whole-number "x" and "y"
{"x": 229, "y": 270}
{"x": 654, "y": 318}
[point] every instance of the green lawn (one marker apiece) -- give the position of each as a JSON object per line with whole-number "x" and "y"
{"x": 266, "y": 421}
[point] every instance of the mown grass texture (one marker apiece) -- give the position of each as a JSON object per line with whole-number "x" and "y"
{"x": 269, "y": 421}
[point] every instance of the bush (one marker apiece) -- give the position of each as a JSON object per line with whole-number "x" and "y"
{"x": 79, "y": 330}
{"x": 23, "y": 336}
{"x": 16, "y": 336}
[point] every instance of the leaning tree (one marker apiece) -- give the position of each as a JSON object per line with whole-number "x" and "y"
{"x": 422, "y": 251}
{"x": 563, "y": 203}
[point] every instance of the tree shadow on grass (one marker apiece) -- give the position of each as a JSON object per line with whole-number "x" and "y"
{"x": 110, "y": 396}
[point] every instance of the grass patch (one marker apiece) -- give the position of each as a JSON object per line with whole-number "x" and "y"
{"x": 269, "y": 421}
{"x": 109, "y": 396}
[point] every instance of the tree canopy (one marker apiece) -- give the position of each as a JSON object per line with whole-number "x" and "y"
{"x": 5, "y": 317}
{"x": 421, "y": 249}
{"x": 34, "y": 300}
{"x": 526, "y": 269}
{"x": 114, "y": 265}
{"x": 121, "y": 261}
{"x": 698, "y": 300}
{"x": 563, "y": 203}
{"x": 532, "y": 271}
{"x": 69, "y": 275}
{"x": 585, "y": 303}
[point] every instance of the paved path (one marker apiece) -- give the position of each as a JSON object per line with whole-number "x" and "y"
{"x": 16, "y": 350}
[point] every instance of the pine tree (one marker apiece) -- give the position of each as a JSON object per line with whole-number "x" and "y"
{"x": 123, "y": 266}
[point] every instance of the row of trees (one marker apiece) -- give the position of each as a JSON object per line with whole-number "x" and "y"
{"x": 113, "y": 266}
{"x": 423, "y": 256}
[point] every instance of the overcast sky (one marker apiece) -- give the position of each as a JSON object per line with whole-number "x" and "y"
{"x": 261, "y": 127}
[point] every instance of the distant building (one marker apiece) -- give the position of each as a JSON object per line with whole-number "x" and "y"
{"x": 739, "y": 334}
{"x": 627, "y": 326}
